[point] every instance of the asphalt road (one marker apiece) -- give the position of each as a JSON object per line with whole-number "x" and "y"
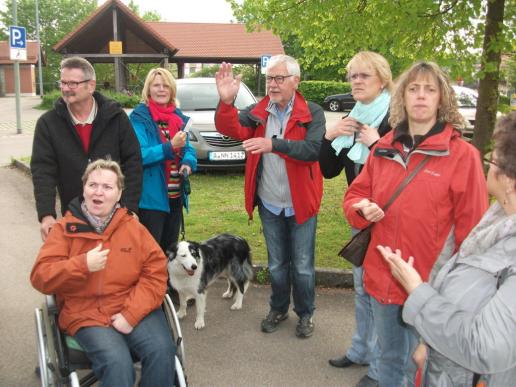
{"x": 230, "y": 351}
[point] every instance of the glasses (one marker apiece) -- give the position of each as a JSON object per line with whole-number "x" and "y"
{"x": 362, "y": 76}
{"x": 278, "y": 78}
{"x": 488, "y": 161}
{"x": 71, "y": 84}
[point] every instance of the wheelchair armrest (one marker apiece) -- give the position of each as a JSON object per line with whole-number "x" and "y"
{"x": 50, "y": 299}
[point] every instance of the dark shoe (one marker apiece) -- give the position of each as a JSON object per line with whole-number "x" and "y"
{"x": 342, "y": 362}
{"x": 366, "y": 381}
{"x": 273, "y": 319}
{"x": 305, "y": 327}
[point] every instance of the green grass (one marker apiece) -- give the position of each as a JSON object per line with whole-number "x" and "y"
{"x": 217, "y": 205}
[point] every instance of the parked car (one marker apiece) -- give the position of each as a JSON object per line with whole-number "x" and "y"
{"x": 339, "y": 102}
{"x": 467, "y": 101}
{"x": 198, "y": 99}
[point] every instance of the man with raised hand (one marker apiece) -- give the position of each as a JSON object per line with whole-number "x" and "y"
{"x": 282, "y": 135}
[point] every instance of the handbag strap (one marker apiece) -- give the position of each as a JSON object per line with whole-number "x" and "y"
{"x": 405, "y": 182}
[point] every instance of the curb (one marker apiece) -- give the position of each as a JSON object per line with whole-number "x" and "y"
{"x": 328, "y": 278}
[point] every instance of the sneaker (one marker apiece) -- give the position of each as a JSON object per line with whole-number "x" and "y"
{"x": 305, "y": 327}
{"x": 273, "y": 319}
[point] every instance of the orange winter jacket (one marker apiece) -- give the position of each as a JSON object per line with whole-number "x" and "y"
{"x": 133, "y": 282}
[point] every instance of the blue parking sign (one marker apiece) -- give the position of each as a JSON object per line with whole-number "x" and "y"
{"x": 264, "y": 61}
{"x": 17, "y": 37}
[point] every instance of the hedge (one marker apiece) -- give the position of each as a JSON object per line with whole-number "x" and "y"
{"x": 316, "y": 91}
{"x": 127, "y": 101}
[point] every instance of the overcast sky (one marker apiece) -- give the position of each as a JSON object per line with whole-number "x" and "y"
{"x": 199, "y": 11}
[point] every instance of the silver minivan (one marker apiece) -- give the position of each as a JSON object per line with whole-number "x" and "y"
{"x": 198, "y": 99}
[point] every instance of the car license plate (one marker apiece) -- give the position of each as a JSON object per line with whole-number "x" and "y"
{"x": 232, "y": 155}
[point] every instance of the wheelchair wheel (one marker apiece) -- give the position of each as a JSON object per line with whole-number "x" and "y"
{"x": 173, "y": 322}
{"x": 46, "y": 369}
{"x": 180, "y": 375}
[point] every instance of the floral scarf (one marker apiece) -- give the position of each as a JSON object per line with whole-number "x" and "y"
{"x": 166, "y": 118}
{"x": 98, "y": 224}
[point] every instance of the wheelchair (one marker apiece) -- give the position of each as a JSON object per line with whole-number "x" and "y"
{"x": 60, "y": 357}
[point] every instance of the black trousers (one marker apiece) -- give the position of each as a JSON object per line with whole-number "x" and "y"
{"x": 162, "y": 226}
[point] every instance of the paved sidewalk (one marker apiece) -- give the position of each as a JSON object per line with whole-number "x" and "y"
{"x": 230, "y": 351}
{"x": 12, "y": 144}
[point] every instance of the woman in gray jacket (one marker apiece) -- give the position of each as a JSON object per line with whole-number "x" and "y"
{"x": 467, "y": 316}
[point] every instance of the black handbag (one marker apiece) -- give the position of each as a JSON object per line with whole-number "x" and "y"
{"x": 354, "y": 251}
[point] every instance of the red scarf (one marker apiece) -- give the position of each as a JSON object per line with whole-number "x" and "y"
{"x": 166, "y": 114}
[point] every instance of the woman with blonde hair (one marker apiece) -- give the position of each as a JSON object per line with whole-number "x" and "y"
{"x": 431, "y": 216}
{"x": 467, "y": 315}
{"x": 354, "y": 135}
{"x": 167, "y": 156}
{"x": 109, "y": 276}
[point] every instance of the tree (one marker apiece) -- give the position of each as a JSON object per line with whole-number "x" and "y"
{"x": 56, "y": 19}
{"x": 450, "y": 32}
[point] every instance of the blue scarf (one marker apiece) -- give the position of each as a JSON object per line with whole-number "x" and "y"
{"x": 370, "y": 114}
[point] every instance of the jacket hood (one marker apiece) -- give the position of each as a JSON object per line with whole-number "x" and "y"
{"x": 107, "y": 108}
{"x": 439, "y": 141}
{"x": 77, "y": 225}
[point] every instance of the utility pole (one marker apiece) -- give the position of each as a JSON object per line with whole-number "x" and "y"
{"x": 17, "y": 79}
{"x": 40, "y": 71}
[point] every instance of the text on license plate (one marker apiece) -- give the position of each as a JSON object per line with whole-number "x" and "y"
{"x": 233, "y": 155}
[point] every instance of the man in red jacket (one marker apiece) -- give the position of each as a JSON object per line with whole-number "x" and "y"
{"x": 282, "y": 135}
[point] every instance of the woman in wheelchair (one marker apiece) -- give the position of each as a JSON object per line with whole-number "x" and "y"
{"x": 110, "y": 277}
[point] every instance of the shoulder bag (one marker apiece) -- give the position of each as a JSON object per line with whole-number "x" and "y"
{"x": 354, "y": 251}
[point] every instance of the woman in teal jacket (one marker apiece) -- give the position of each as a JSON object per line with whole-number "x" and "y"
{"x": 167, "y": 156}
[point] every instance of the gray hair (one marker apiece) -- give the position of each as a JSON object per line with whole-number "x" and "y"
{"x": 292, "y": 64}
{"x": 76, "y": 62}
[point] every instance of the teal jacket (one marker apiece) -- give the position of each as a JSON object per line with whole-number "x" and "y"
{"x": 154, "y": 153}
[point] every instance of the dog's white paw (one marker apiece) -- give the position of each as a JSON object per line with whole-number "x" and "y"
{"x": 227, "y": 294}
{"x": 236, "y": 306}
{"x": 181, "y": 313}
{"x": 199, "y": 324}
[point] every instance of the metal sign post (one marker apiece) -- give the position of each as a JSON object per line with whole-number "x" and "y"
{"x": 18, "y": 51}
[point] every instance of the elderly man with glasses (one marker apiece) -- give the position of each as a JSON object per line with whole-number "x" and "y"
{"x": 282, "y": 135}
{"x": 83, "y": 126}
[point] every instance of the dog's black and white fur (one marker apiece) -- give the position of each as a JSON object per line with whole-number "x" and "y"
{"x": 193, "y": 266}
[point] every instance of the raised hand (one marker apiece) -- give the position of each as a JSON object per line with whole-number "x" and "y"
{"x": 370, "y": 210}
{"x": 96, "y": 258}
{"x": 227, "y": 84}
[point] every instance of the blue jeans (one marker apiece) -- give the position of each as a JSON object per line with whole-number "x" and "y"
{"x": 110, "y": 352}
{"x": 396, "y": 343}
{"x": 364, "y": 345}
{"x": 291, "y": 251}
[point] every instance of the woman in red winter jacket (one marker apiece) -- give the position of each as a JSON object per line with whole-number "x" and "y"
{"x": 431, "y": 216}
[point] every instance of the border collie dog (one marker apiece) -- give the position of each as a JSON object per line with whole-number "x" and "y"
{"x": 193, "y": 266}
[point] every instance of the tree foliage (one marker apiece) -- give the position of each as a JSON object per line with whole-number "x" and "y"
{"x": 450, "y": 32}
{"x": 56, "y": 19}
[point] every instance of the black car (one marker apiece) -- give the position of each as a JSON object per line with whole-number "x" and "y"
{"x": 339, "y": 102}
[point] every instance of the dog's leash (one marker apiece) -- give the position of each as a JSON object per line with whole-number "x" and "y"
{"x": 185, "y": 186}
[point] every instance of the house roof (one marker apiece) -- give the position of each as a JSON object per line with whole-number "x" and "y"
{"x": 32, "y": 53}
{"x": 218, "y": 41}
{"x": 94, "y": 33}
{"x": 180, "y": 42}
